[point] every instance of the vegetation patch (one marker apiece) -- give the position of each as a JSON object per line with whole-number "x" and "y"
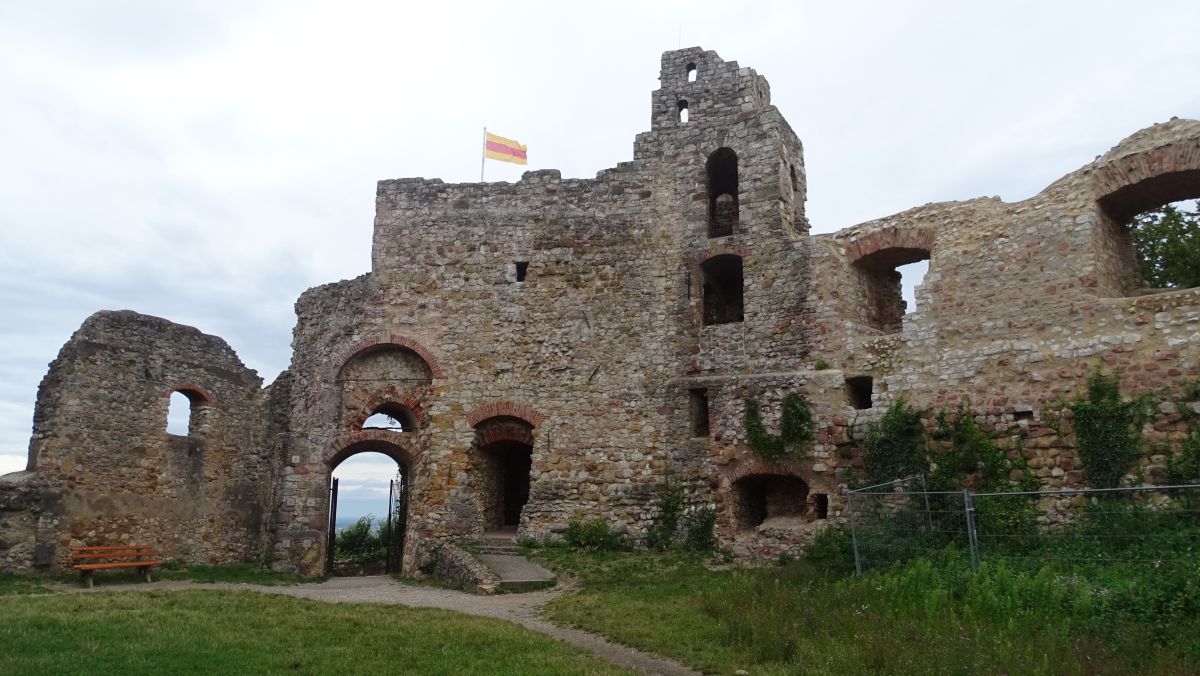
{"x": 1107, "y": 429}
{"x": 210, "y": 632}
{"x": 895, "y": 446}
{"x": 1081, "y": 613}
{"x": 795, "y": 427}
{"x": 21, "y": 584}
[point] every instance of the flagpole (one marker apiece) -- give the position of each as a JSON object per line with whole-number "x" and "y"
{"x": 482, "y": 154}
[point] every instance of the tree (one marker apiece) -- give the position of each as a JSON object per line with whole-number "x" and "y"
{"x": 1167, "y": 240}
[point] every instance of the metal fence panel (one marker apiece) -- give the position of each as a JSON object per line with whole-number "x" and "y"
{"x": 1155, "y": 526}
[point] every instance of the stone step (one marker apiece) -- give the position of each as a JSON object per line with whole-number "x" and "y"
{"x": 511, "y": 550}
{"x": 516, "y": 573}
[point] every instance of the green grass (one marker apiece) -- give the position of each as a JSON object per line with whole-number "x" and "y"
{"x": 921, "y": 617}
{"x": 217, "y": 632}
{"x": 245, "y": 573}
{"x": 21, "y": 584}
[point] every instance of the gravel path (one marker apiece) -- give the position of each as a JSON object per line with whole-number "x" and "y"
{"x": 522, "y": 609}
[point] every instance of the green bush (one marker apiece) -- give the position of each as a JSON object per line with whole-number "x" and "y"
{"x": 1184, "y": 467}
{"x": 665, "y": 525}
{"x": 895, "y": 446}
{"x": 831, "y": 551}
{"x": 593, "y": 535}
{"x": 359, "y": 542}
{"x": 700, "y": 525}
{"x": 795, "y": 427}
{"x": 1107, "y": 430}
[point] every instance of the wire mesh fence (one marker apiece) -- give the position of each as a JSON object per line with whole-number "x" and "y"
{"x": 1154, "y": 526}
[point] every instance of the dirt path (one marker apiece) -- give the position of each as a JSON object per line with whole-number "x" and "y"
{"x": 522, "y": 609}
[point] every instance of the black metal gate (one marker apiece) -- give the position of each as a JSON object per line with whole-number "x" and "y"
{"x": 397, "y": 520}
{"x": 329, "y": 545}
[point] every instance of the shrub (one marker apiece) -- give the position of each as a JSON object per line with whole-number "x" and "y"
{"x": 831, "y": 551}
{"x": 593, "y": 535}
{"x": 359, "y": 542}
{"x": 895, "y": 445}
{"x": 966, "y": 450}
{"x": 795, "y": 427}
{"x": 1106, "y": 430}
{"x": 1184, "y": 467}
{"x": 663, "y": 529}
{"x": 700, "y": 536}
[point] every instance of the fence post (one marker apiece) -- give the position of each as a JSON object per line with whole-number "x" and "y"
{"x": 925, "y": 492}
{"x": 853, "y": 536}
{"x": 972, "y": 536}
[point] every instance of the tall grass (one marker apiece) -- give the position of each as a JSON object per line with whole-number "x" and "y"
{"x": 1082, "y": 601}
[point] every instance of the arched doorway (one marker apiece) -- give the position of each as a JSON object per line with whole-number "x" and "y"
{"x": 503, "y": 459}
{"x": 368, "y": 478}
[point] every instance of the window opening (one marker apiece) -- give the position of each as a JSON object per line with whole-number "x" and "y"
{"x": 888, "y": 279}
{"x": 722, "y": 289}
{"x": 1139, "y": 211}
{"x": 683, "y": 111}
{"x": 691, "y": 72}
{"x": 698, "y": 403}
{"x": 1166, "y": 240}
{"x": 522, "y": 268}
{"x": 180, "y": 413}
{"x": 391, "y": 417}
{"x": 721, "y": 171}
{"x": 821, "y": 506}
{"x": 859, "y": 391}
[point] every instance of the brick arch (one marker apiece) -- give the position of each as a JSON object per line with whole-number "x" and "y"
{"x": 505, "y": 409}
{"x": 1130, "y": 184}
{"x": 395, "y": 340}
{"x": 395, "y": 445}
{"x": 876, "y": 245}
{"x": 378, "y": 400}
{"x": 188, "y": 390}
{"x": 755, "y": 465}
{"x": 693, "y": 262}
{"x": 507, "y": 430}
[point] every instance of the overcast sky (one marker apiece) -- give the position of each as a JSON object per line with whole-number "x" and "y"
{"x": 207, "y": 161}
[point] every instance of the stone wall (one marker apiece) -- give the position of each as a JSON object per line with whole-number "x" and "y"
{"x": 574, "y": 320}
{"x": 103, "y": 467}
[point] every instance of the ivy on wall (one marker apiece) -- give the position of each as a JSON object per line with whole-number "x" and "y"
{"x": 1107, "y": 429}
{"x": 795, "y": 427}
{"x": 895, "y": 446}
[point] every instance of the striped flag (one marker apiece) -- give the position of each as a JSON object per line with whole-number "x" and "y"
{"x": 503, "y": 149}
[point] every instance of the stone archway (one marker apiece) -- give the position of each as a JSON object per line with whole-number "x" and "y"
{"x": 503, "y": 459}
{"x": 384, "y": 443}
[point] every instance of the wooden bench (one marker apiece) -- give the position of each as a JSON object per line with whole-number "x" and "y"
{"x": 87, "y": 560}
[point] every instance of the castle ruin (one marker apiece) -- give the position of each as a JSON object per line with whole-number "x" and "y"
{"x": 557, "y": 348}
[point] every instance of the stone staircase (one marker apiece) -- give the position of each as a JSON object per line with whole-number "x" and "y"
{"x": 500, "y": 542}
{"x": 498, "y": 551}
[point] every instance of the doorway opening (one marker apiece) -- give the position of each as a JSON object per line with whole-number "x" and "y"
{"x": 368, "y": 509}
{"x": 503, "y": 462}
{"x": 505, "y": 489}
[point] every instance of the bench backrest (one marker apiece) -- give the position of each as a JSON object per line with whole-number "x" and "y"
{"x": 84, "y": 554}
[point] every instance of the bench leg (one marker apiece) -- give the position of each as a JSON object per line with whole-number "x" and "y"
{"x": 145, "y": 571}
{"x": 87, "y": 578}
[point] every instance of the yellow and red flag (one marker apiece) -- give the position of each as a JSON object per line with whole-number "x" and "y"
{"x": 503, "y": 149}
